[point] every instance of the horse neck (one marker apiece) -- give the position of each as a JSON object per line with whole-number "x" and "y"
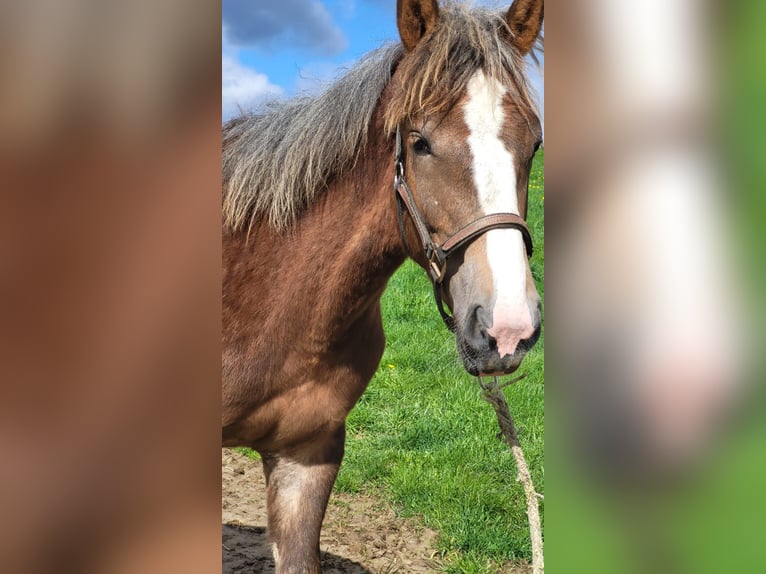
{"x": 331, "y": 267}
{"x": 352, "y": 235}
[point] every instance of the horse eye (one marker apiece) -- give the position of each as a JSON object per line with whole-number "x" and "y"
{"x": 420, "y": 146}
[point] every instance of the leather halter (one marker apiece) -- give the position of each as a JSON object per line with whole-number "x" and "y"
{"x": 436, "y": 254}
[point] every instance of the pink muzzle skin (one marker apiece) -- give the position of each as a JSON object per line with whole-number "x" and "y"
{"x": 510, "y": 326}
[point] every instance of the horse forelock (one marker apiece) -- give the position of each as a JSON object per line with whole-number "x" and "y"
{"x": 435, "y": 75}
{"x": 276, "y": 164}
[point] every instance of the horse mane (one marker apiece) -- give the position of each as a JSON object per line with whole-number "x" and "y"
{"x": 275, "y": 164}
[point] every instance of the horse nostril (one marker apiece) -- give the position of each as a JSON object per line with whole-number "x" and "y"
{"x": 472, "y": 331}
{"x": 477, "y": 327}
{"x": 483, "y": 320}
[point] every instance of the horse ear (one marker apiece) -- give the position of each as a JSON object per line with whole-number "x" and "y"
{"x": 415, "y": 18}
{"x": 525, "y": 19}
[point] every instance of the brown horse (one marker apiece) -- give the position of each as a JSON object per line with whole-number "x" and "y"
{"x": 313, "y": 231}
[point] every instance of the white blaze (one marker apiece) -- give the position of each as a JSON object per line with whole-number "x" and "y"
{"x": 495, "y": 180}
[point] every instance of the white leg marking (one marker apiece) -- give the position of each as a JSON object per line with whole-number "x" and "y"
{"x": 294, "y": 477}
{"x": 275, "y": 552}
{"x": 495, "y": 179}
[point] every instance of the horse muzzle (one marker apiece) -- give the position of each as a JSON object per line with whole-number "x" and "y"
{"x": 493, "y": 350}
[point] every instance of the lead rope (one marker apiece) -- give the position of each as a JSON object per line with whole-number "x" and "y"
{"x": 492, "y": 392}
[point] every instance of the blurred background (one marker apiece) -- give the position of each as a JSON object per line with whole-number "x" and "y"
{"x": 655, "y": 430}
{"x": 109, "y": 286}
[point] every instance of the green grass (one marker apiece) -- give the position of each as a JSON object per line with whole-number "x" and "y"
{"x": 422, "y": 434}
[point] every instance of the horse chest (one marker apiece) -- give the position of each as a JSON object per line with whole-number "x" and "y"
{"x": 283, "y": 396}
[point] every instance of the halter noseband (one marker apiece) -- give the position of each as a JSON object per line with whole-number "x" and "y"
{"x": 436, "y": 254}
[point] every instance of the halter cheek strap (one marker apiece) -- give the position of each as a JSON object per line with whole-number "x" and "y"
{"x": 436, "y": 254}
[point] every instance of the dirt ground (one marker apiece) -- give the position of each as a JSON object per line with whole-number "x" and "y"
{"x": 360, "y": 535}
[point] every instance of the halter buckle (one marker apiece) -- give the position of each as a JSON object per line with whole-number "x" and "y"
{"x": 437, "y": 263}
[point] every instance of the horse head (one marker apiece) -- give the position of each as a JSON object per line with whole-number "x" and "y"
{"x": 467, "y": 131}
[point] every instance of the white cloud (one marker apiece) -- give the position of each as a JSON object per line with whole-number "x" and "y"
{"x": 242, "y": 88}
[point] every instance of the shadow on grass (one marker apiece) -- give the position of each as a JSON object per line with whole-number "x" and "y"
{"x": 247, "y": 550}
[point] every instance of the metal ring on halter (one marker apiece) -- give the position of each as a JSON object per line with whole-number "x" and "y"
{"x": 399, "y": 175}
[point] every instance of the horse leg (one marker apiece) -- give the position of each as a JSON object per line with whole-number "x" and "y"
{"x": 298, "y": 485}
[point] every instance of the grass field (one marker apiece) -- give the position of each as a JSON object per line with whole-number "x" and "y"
{"x": 422, "y": 435}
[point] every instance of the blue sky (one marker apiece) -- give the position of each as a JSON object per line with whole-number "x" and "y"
{"x": 274, "y": 49}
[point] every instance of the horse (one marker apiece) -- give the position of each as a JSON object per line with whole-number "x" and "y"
{"x": 422, "y": 150}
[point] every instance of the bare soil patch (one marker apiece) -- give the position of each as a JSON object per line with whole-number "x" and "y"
{"x": 361, "y": 534}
